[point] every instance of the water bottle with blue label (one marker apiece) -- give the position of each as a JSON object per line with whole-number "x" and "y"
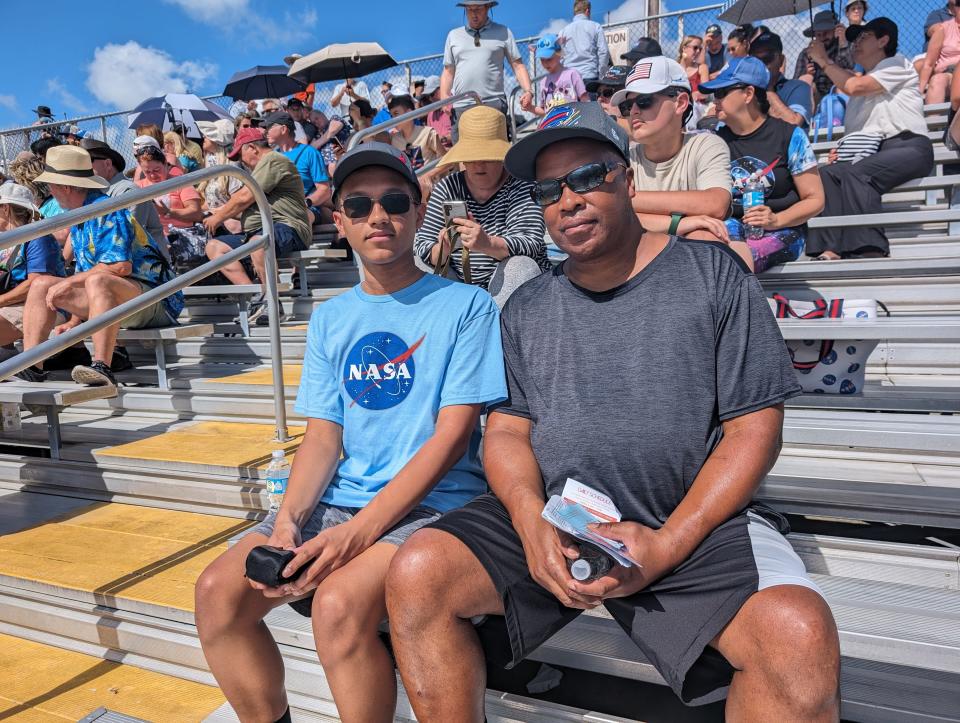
{"x": 278, "y": 473}
{"x": 752, "y": 196}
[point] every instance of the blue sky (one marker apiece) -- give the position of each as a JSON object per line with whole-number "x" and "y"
{"x": 110, "y": 56}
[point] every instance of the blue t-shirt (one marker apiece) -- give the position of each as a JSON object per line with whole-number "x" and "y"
{"x": 797, "y": 96}
{"x": 39, "y": 256}
{"x": 382, "y": 367}
{"x": 118, "y": 237}
{"x": 310, "y": 166}
{"x": 50, "y": 208}
{"x": 382, "y": 116}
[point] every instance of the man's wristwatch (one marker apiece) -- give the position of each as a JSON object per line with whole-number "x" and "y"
{"x": 675, "y": 218}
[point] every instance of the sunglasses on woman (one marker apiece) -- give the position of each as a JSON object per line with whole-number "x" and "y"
{"x": 579, "y": 180}
{"x": 644, "y": 100}
{"x": 394, "y": 204}
{"x": 721, "y": 93}
{"x": 606, "y": 92}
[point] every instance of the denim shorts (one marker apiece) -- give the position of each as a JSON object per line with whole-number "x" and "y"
{"x": 325, "y": 516}
{"x": 285, "y": 239}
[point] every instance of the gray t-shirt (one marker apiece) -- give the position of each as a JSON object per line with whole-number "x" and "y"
{"x": 145, "y": 213}
{"x": 479, "y": 68}
{"x": 627, "y": 389}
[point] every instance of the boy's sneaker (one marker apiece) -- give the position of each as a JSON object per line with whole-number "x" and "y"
{"x": 121, "y": 360}
{"x": 32, "y": 374}
{"x": 98, "y": 374}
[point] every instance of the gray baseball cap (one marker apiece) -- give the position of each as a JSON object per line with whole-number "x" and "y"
{"x": 562, "y": 123}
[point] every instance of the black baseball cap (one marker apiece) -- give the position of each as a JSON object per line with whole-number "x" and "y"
{"x": 880, "y": 27}
{"x": 278, "y": 117}
{"x": 374, "y": 154}
{"x": 615, "y": 77}
{"x": 645, "y": 48}
{"x": 766, "y": 41}
{"x": 713, "y": 29}
{"x": 563, "y": 123}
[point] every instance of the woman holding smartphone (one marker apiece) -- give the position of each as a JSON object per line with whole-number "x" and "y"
{"x": 502, "y": 229}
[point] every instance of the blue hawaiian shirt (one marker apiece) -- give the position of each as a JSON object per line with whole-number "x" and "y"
{"x": 118, "y": 237}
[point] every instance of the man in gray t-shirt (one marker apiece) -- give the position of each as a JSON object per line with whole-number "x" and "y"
{"x": 474, "y": 54}
{"x": 651, "y": 369}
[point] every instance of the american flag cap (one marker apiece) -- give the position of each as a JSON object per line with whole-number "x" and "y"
{"x": 651, "y": 75}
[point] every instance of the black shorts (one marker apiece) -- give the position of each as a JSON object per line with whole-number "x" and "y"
{"x": 286, "y": 241}
{"x": 672, "y": 621}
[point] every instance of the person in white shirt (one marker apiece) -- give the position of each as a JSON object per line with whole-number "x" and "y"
{"x": 885, "y": 107}
{"x": 346, "y": 93}
{"x": 585, "y": 45}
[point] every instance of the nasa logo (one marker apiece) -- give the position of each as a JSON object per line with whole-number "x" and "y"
{"x": 380, "y": 371}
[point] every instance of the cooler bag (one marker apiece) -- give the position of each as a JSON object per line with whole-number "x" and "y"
{"x": 829, "y": 366}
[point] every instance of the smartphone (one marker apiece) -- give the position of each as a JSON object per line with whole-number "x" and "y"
{"x": 452, "y": 210}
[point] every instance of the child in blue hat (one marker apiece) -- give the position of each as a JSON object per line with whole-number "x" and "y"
{"x": 562, "y": 85}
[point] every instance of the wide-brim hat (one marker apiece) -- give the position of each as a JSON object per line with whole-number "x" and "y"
{"x": 482, "y": 137}
{"x": 823, "y": 20}
{"x": 43, "y": 111}
{"x": 474, "y": 3}
{"x": 70, "y": 166}
{"x": 99, "y": 149}
{"x": 13, "y": 194}
{"x": 219, "y": 131}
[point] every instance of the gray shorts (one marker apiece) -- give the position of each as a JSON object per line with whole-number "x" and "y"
{"x": 326, "y": 516}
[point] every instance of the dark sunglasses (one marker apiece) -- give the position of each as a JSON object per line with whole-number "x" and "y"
{"x": 476, "y": 38}
{"x": 644, "y": 101}
{"x": 606, "y": 92}
{"x": 579, "y": 180}
{"x": 394, "y": 204}
{"x": 151, "y": 153}
{"x": 721, "y": 93}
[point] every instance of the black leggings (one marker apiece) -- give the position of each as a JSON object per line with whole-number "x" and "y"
{"x": 856, "y": 188}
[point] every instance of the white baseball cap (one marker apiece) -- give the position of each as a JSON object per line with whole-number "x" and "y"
{"x": 14, "y": 194}
{"x": 651, "y": 75}
{"x": 431, "y": 84}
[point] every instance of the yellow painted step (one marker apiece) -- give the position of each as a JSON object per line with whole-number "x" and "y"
{"x": 44, "y": 684}
{"x": 115, "y": 551}
{"x": 216, "y": 444}
{"x": 264, "y": 377}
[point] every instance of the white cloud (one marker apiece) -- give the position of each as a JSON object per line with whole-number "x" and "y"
{"x": 9, "y": 102}
{"x": 631, "y": 10}
{"x": 237, "y": 16}
{"x": 56, "y": 88}
{"x": 124, "y": 75}
{"x": 555, "y": 25}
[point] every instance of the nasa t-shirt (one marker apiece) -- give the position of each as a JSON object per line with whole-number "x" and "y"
{"x": 777, "y": 151}
{"x": 627, "y": 389}
{"x": 383, "y": 366}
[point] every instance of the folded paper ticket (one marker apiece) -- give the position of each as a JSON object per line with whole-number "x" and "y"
{"x": 579, "y": 506}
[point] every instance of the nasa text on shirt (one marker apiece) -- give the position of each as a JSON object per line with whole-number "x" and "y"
{"x": 379, "y": 371}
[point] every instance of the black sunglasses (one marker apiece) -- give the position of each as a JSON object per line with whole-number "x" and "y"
{"x": 579, "y": 180}
{"x": 606, "y": 92}
{"x": 394, "y": 204}
{"x": 476, "y": 38}
{"x": 721, "y": 93}
{"x": 644, "y": 100}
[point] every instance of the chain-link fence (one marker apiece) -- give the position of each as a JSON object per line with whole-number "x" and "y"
{"x": 668, "y": 28}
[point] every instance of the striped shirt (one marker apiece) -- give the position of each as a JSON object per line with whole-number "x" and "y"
{"x": 510, "y": 214}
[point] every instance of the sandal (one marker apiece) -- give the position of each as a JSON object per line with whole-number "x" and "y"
{"x": 825, "y": 257}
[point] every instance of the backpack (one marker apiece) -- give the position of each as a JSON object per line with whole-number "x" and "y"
{"x": 830, "y": 113}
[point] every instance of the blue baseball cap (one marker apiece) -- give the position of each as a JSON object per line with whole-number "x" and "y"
{"x": 548, "y": 46}
{"x": 740, "y": 71}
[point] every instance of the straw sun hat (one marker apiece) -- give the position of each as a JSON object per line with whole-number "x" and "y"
{"x": 70, "y": 166}
{"x": 483, "y": 137}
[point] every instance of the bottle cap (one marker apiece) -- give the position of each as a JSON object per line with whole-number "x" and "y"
{"x": 279, "y": 454}
{"x": 580, "y": 570}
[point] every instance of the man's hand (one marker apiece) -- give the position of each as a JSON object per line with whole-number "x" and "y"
{"x": 817, "y": 52}
{"x": 212, "y": 223}
{"x": 526, "y": 101}
{"x": 67, "y": 326}
{"x": 56, "y": 293}
{"x": 689, "y": 224}
{"x": 652, "y": 550}
{"x": 761, "y": 216}
{"x": 833, "y": 156}
{"x": 330, "y": 550}
{"x": 547, "y": 550}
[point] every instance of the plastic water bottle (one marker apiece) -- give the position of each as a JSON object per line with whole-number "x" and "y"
{"x": 278, "y": 472}
{"x": 593, "y": 563}
{"x": 752, "y": 196}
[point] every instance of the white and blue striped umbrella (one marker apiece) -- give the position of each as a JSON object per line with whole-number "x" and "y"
{"x": 739, "y": 12}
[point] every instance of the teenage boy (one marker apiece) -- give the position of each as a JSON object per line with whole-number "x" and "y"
{"x": 682, "y": 179}
{"x": 396, "y": 374}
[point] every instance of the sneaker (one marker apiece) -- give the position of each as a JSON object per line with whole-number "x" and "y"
{"x": 98, "y": 374}
{"x": 263, "y": 319}
{"x": 32, "y": 374}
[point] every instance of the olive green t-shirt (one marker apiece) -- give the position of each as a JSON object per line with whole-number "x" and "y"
{"x": 279, "y": 179}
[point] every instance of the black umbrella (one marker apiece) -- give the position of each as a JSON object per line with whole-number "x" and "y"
{"x": 262, "y": 81}
{"x": 341, "y": 61}
{"x": 739, "y": 12}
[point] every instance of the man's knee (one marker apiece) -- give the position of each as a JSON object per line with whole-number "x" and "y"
{"x": 102, "y": 286}
{"x": 419, "y": 572}
{"x": 215, "y": 249}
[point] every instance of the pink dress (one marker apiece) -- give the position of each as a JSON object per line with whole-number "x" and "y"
{"x": 950, "y": 53}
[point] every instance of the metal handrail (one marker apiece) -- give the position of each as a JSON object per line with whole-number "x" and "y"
{"x": 412, "y": 115}
{"x": 511, "y": 101}
{"x": 264, "y": 241}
